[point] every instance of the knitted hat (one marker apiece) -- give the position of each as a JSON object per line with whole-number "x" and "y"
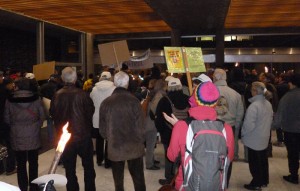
{"x": 205, "y": 94}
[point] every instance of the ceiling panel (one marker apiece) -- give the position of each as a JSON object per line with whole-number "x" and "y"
{"x": 190, "y": 17}
{"x": 92, "y": 16}
{"x": 263, "y": 14}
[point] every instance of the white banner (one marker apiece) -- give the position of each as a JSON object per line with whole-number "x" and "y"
{"x": 142, "y": 57}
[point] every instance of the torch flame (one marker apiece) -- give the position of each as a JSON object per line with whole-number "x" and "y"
{"x": 64, "y": 138}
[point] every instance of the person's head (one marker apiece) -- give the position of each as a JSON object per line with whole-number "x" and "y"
{"x": 262, "y": 77}
{"x": 30, "y": 76}
{"x": 23, "y": 84}
{"x": 155, "y": 72}
{"x": 105, "y": 76}
{"x": 91, "y": 76}
{"x": 68, "y": 75}
{"x": 259, "y": 88}
{"x": 174, "y": 84}
{"x": 294, "y": 81}
{"x": 200, "y": 79}
{"x": 205, "y": 94}
{"x": 121, "y": 79}
{"x": 1, "y": 77}
{"x": 151, "y": 84}
{"x": 219, "y": 74}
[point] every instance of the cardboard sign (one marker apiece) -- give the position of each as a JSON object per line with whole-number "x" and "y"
{"x": 113, "y": 53}
{"x": 44, "y": 70}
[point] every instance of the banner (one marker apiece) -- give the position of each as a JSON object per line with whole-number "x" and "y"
{"x": 142, "y": 57}
{"x": 145, "y": 64}
{"x": 175, "y": 61}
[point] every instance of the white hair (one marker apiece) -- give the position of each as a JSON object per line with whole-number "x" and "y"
{"x": 121, "y": 79}
{"x": 68, "y": 75}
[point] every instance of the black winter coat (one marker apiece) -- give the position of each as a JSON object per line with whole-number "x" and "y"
{"x": 73, "y": 105}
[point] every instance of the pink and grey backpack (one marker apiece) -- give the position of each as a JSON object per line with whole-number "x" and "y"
{"x": 206, "y": 162}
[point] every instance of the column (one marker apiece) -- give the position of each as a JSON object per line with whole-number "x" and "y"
{"x": 220, "y": 48}
{"x": 175, "y": 37}
{"x": 40, "y": 41}
{"x": 82, "y": 55}
{"x": 89, "y": 53}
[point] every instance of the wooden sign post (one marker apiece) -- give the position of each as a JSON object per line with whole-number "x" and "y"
{"x": 187, "y": 71}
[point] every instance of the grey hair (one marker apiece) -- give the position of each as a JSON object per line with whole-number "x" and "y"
{"x": 261, "y": 89}
{"x": 68, "y": 75}
{"x": 121, "y": 79}
{"x": 174, "y": 88}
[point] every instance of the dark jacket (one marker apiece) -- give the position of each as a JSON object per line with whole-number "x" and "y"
{"x": 48, "y": 89}
{"x": 122, "y": 125}
{"x": 180, "y": 101}
{"x": 73, "y": 105}
{"x": 3, "y": 126}
{"x": 25, "y": 115}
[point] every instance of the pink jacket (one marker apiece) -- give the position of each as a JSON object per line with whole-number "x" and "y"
{"x": 178, "y": 139}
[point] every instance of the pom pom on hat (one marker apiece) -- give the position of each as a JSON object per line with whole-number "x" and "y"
{"x": 205, "y": 94}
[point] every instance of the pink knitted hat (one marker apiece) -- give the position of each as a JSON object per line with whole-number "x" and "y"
{"x": 205, "y": 94}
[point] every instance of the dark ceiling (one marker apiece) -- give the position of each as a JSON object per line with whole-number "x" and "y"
{"x": 154, "y": 19}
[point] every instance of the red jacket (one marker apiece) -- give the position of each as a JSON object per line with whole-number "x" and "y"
{"x": 178, "y": 139}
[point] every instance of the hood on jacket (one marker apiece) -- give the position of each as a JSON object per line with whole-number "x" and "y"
{"x": 104, "y": 85}
{"x": 203, "y": 113}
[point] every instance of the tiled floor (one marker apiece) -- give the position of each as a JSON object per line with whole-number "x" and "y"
{"x": 240, "y": 174}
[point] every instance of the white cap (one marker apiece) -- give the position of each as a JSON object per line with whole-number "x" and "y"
{"x": 174, "y": 82}
{"x": 105, "y": 75}
{"x": 30, "y": 76}
{"x": 202, "y": 78}
{"x": 168, "y": 78}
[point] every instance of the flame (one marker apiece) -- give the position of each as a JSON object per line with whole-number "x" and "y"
{"x": 64, "y": 138}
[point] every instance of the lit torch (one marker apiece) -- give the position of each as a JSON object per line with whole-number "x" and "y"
{"x": 60, "y": 148}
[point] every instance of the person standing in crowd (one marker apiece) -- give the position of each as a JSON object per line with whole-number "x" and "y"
{"x": 269, "y": 79}
{"x": 174, "y": 97}
{"x": 200, "y": 79}
{"x": 47, "y": 91}
{"x": 202, "y": 101}
{"x": 235, "y": 110}
{"x": 24, "y": 113}
{"x": 122, "y": 125}
{"x": 151, "y": 132}
{"x": 89, "y": 83}
{"x": 10, "y": 164}
{"x": 287, "y": 117}
{"x": 73, "y": 105}
{"x": 100, "y": 92}
{"x": 282, "y": 88}
{"x": 255, "y": 135}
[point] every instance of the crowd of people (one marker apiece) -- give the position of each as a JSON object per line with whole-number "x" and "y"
{"x": 125, "y": 115}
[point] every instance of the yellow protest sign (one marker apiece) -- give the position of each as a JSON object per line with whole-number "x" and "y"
{"x": 175, "y": 62}
{"x": 195, "y": 59}
{"x": 174, "y": 59}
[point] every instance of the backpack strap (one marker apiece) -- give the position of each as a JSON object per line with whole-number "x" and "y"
{"x": 188, "y": 120}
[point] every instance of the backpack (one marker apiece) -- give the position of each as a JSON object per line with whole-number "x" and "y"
{"x": 205, "y": 162}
